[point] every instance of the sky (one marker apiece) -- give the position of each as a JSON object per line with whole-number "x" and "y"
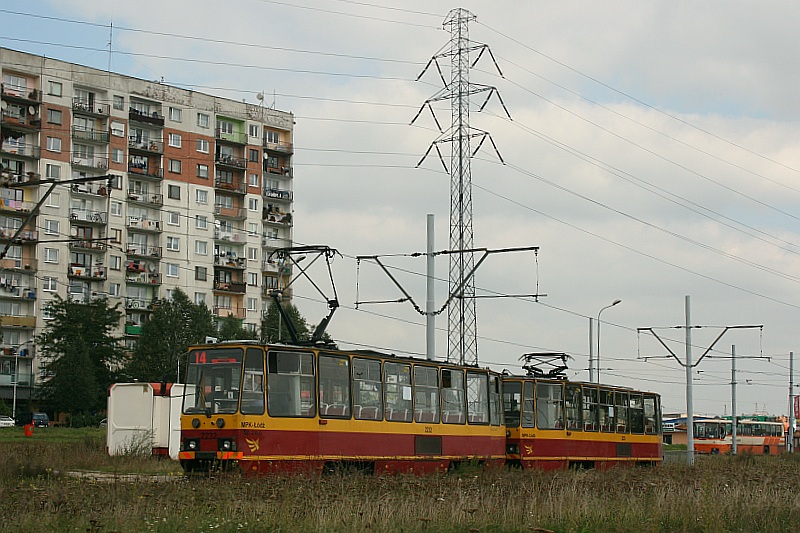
{"x": 652, "y": 155}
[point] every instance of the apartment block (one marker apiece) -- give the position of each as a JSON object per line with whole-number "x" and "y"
{"x": 163, "y": 188}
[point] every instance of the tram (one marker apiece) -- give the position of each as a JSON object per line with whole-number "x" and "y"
{"x": 758, "y": 437}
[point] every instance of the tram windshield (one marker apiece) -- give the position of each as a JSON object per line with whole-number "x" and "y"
{"x": 212, "y": 381}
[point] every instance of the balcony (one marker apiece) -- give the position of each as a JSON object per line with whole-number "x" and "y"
{"x": 19, "y": 121}
{"x": 26, "y": 264}
{"x": 280, "y": 147}
{"x": 92, "y": 189}
{"x": 223, "y": 312}
{"x": 230, "y": 136}
{"x": 237, "y": 186}
{"x": 18, "y": 206}
{"x": 87, "y": 245}
{"x": 91, "y": 273}
{"x": 147, "y": 146}
{"x": 26, "y": 235}
{"x": 229, "y": 161}
{"x": 88, "y": 107}
{"x": 7, "y": 290}
{"x": 90, "y": 135}
{"x": 154, "y": 118}
{"x": 267, "y": 292}
{"x": 230, "y": 286}
{"x": 277, "y": 217}
{"x": 138, "y": 304}
{"x": 278, "y": 194}
{"x": 275, "y": 242}
{"x": 31, "y": 151}
{"x": 143, "y": 224}
{"x": 280, "y": 170}
{"x": 143, "y": 278}
{"x": 238, "y": 263}
{"x": 18, "y": 321}
{"x": 77, "y": 214}
{"x": 146, "y": 171}
{"x": 146, "y": 198}
{"x": 93, "y": 163}
{"x": 238, "y": 213}
{"x": 273, "y": 267}
{"x": 228, "y": 236}
{"x": 143, "y": 250}
{"x": 20, "y": 94}
{"x": 133, "y": 329}
{"x": 9, "y": 178}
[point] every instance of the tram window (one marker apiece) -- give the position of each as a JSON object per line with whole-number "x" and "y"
{"x": 426, "y": 394}
{"x": 590, "y": 412}
{"x": 700, "y": 430}
{"x": 253, "y": 383}
{"x": 477, "y": 398}
{"x": 606, "y": 411}
{"x": 495, "y": 413}
{"x": 622, "y": 412}
{"x": 290, "y": 384}
{"x": 549, "y": 406}
{"x": 650, "y": 415}
{"x": 367, "y": 389}
{"x": 334, "y": 386}
{"x": 512, "y": 398}
{"x": 528, "y": 405}
{"x": 637, "y": 414}
{"x": 573, "y": 406}
{"x": 453, "y": 397}
{"x": 397, "y": 387}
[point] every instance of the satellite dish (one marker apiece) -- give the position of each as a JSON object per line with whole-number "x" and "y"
{"x": 260, "y": 97}
{"x": 3, "y": 104}
{"x": 31, "y": 110}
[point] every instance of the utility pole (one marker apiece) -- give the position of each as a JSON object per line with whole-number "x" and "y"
{"x": 734, "y": 417}
{"x": 792, "y": 414}
{"x": 462, "y": 319}
{"x": 430, "y": 302}
{"x": 689, "y": 366}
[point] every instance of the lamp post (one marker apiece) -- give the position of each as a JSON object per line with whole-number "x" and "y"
{"x": 612, "y": 304}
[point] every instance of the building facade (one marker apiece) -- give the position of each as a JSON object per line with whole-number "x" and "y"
{"x": 164, "y": 188}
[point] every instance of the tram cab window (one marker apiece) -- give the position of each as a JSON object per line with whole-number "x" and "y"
{"x": 477, "y": 398}
{"x": 636, "y": 414}
{"x": 528, "y": 405}
{"x": 334, "y": 386}
{"x": 512, "y": 402}
{"x": 573, "y": 406}
{"x": 290, "y": 384}
{"x": 590, "y": 420}
{"x": 253, "y": 383}
{"x": 606, "y": 411}
{"x": 367, "y": 389}
{"x": 651, "y": 423}
{"x": 426, "y": 394}
{"x": 549, "y": 406}
{"x": 213, "y": 380}
{"x": 622, "y": 412}
{"x": 397, "y": 391}
{"x": 453, "y": 408}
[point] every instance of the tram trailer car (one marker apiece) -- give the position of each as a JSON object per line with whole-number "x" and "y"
{"x": 327, "y": 409}
{"x": 757, "y": 437}
{"x": 558, "y": 424}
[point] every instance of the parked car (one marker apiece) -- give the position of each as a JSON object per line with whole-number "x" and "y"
{"x": 40, "y": 420}
{"x": 6, "y": 421}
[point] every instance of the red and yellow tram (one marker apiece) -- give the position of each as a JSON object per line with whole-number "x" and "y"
{"x": 757, "y": 437}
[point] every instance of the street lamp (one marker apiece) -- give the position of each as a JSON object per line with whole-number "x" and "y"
{"x": 612, "y": 304}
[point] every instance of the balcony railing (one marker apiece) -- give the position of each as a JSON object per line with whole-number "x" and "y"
{"x": 144, "y": 278}
{"x": 231, "y": 161}
{"x": 277, "y": 217}
{"x": 7, "y": 290}
{"x": 143, "y": 224}
{"x": 228, "y": 236}
{"x": 18, "y": 321}
{"x": 138, "y": 303}
{"x": 90, "y": 188}
{"x": 146, "y": 198}
{"x": 233, "y": 137}
{"x": 230, "y": 262}
{"x": 237, "y": 312}
{"x": 273, "y": 267}
{"x": 89, "y": 134}
{"x": 280, "y": 170}
{"x": 16, "y": 205}
{"x": 143, "y": 250}
{"x": 16, "y": 92}
{"x": 230, "y": 212}
{"x": 77, "y": 214}
{"x": 8, "y": 177}
{"x": 133, "y": 329}
{"x": 24, "y": 263}
{"x": 154, "y": 118}
{"x": 230, "y": 286}
{"x": 100, "y": 163}
{"x": 88, "y": 272}
{"x": 286, "y": 148}
{"x": 22, "y": 150}
{"x": 17, "y": 119}
{"x": 151, "y": 146}
{"x": 93, "y": 108}
{"x": 26, "y": 235}
{"x": 237, "y": 186}
{"x": 83, "y": 244}
{"x": 146, "y": 170}
{"x": 280, "y": 194}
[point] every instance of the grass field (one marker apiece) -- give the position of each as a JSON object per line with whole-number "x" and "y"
{"x": 41, "y": 489}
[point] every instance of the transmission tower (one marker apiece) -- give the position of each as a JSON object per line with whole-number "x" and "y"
{"x": 462, "y": 321}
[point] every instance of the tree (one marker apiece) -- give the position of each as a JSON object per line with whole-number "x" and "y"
{"x": 230, "y": 328}
{"x": 80, "y": 356}
{"x": 175, "y": 325}
{"x": 274, "y": 328}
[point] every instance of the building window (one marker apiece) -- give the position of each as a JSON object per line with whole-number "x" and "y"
{"x": 200, "y": 273}
{"x": 53, "y": 171}
{"x": 117, "y": 155}
{"x": 252, "y": 254}
{"x": 54, "y": 116}
{"x": 173, "y": 244}
{"x": 200, "y": 298}
{"x": 201, "y": 221}
{"x": 118, "y": 129}
{"x": 201, "y": 247}
{"x": 173, "y": 218}
{"x": 253, "y": 156}
{"x": 116, "y": 235}
{"x": 51, "y": 255}
{"x": 202, "y": 171}
{"x": 252, "y": 304}
{"x": 252, "y": 229}
{"x": 202, "y": 145}
{"x": 252, "y": 131}
{"x": 174, "y": 114}
{"x": 54, "y": 200}
{"x": 51, "y": 227}
{"x": 174, "y": 192}
{"x": 252, "y": 180}
{"x": 272, "y": 137}
{"x": 201, "y": 196}
{"x": 172, "y": 270}
{"x": 116, "y": 262}
{"x": 252, "y": 204}
{"x": 225, "y": 126}
{"x": 54, "y": 88}
{"x": 116, "y": 208}
{"x": 118, "y": 102}
{"x": 49, "y": 284}
{"x": 175, "y": 166}
{"x": 116, "y": 181}
{"x": 202, "y": 120}
{"x": 53, "y": 144}
{"x": 252, "y": 279}
{"x": 175, "y": 140}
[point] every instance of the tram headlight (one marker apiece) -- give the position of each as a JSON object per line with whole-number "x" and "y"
{"x": 226, "y": 445}
{"x": 192, "y": 444}
{"x": 195, "y": 423}
{"x": 220, "y": 423}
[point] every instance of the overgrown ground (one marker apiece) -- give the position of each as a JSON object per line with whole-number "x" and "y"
{"x": 39, "y": 491}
